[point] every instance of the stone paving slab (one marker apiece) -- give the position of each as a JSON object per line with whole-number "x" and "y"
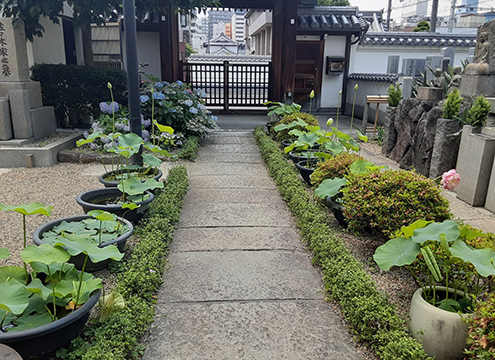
{"x": 228, "y": 238}
{"x": 229, "y": 157}
{"x": 241, "y": 139}
{"x": 240, "y": 275}
{"x": 220, "y": 214}
{"x": 213, "y": 195}
{"x": 232, "y": 181}
{"x": 252, "y": 330}
{"x": 225, "y": 168}
{"x": 230, "y": 148}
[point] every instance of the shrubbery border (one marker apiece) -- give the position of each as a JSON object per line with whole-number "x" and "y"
{"x": 370, "y": 315}
{"x": 139, "y": 277}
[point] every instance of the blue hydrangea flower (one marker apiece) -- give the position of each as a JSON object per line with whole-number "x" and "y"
{"x": 127, "y": 128}
{"x": 172, "y": 110}
{"x": 159, "y": 85}
{"x": 158, "y": 96}
{"x": 214, "y": 118}
{"x": 144, "y": 98}
{"x": 188, "y": 102}
{"x": 145, "y": 134}
{"x": 193, "y": 110}
{"x": 202, "y": 107}
{"x": 119, "y": 125}
{"x": 109, "y": 108}
{"x": 180, "y": 83}
{"x": 146, "y": 123}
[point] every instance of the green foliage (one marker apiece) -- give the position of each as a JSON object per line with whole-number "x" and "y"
{"x": 337, "y": 166}
{"x": 139, "y": 277}
{"x": 394, "y": 94}
{"x": 481, "y": 338}
{"x": 371, "y": 316}
{"x": 281, "y": 109}
{"x": 189, "y": 150}
{"x": 370, "y": 199}
{"x": 452, "y": 104}
{"x": 478, "y": 112}
{"x": 190, "y": 50}
{"x": 79, "y": 88}
{"x": 422, "y": 26}
{"x": 307, "y": 118}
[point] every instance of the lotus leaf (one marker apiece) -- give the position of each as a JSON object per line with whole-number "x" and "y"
{"x": 45, "y": 254}
{"x": 482, "y": 259}
{"x": 330, "y": 187}
{"x": 13, "y": 297}
{"x": 28, "y": 209}
{"x": 31, "y": 321}
{"x": 432, "y": 231}
{"x": 12, "y": 272}
{"x": 396, "y": 252}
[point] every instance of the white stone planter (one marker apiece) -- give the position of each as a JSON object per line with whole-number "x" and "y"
{"x": 442, "y": 333}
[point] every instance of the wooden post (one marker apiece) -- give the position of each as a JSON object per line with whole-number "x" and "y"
{"x": 226, "y": 85}
{"x": 169, "y": 44}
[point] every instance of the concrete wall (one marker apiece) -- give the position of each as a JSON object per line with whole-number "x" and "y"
{"x": 50, "y": 48}
{"x": 366, "y": 88}
{"x": 332, "y": 84}
{"x": 148, "y": 45}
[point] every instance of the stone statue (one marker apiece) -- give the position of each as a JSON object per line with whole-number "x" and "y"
{"x": 484, "y": 55}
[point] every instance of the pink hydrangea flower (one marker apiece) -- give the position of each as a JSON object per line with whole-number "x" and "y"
{"x": 450, "y": 179}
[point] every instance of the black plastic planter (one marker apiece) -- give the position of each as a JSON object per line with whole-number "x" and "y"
{"x": 306, "y": 168}
{"x": 338, "y": 211}
{"x": 79, "y": 259}
{"x": 113, "y": 183}
{"x": 94, "y": 200}
{"x": 42, "y": 342}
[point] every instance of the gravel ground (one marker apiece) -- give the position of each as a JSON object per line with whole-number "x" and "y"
{"x": 56, "y": 186}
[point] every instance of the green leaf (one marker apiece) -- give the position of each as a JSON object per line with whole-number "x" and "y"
{"x": 433, "y": 230}
{"x": 361, "y": 136}
{"x": 481, "y": 259}
{"x": 134, "y": 186}
{"x": 335, "y": 147}
{"x": 76, "y": 245}
{"x": 37, "y": 287}
{"x": 396, "y": 252}
{"x": 28, "y": 209}
{"x": 31, "y": 321}
{"x": 91, "y": 138}
{"x": 151, "y": 160}
{"x": 470, "y": 234}
{"x": 330, "y": 187}
{"x": 71, "y": 227}
{"x": 13, "y": 297}
{"x": 308, "y": 139}
{"x": 12, "y": 272}
{"x": 408, "y": 231}
{"x": 361, "y": 167}
{"x": 4, "y": 253}
{"x": 449, "y": 305}
{"x": 45, "y": 254}
{"x": 88, "y": 288}
{"x": 102, "y": 215}
{"x": 130, "y": 206}
{"x": 164, "y": 128}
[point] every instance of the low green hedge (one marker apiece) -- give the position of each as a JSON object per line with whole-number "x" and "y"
{"x": 139, "y": 277}
{"x": 370, "y": 315}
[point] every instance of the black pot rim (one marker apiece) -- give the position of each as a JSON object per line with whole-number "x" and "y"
{"x": 114, "y": 183}
{"x": 53, "y": 326}
{"x": 50, "y": 225}
{"x": 84, "y": 198}
{"x": 302, "y": 164}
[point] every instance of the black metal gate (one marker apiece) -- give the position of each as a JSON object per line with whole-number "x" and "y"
{"x": 229, "y": 84}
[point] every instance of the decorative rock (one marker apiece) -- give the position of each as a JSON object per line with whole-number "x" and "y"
{"x": 68, "y": 156}
{"x": 89, "y": 157}
{"x": 446, "y": 146}
{"x": 389, "y": 131}
{"x": 429, "y": 93}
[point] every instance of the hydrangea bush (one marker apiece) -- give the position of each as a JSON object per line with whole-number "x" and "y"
{"x": 176, "y": 105}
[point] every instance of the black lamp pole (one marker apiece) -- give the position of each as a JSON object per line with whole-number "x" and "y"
{"x": 131, "y": 57}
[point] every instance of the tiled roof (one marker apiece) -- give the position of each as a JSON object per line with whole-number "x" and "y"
{"x": 237, "y": 58}
{"x": 387, "y": 78}
{"x": 325, "y": 19}
{"x": 417, "y": 39}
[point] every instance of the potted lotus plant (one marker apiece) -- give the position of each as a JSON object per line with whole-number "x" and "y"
{"x": 451, "y": 274}
{"x": 45, "y": 303}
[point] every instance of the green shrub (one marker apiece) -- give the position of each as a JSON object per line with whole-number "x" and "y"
{"x": 394, "y": 94}
{"x": 452, "y": 104}
{"x": 387, "y": 200}
{"x": 338, "y": 166}
{"x": 371, "y": 316}
{"x": 307, "y": 118}
{"x": 189, "y": 150}
{"x": 481, "y": 338}
{"x": 80, "y": 88}
{"x": 479, "y": 112}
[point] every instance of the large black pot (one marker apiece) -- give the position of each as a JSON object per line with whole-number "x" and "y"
{"x": 306, "y": 168}
{"x": 92, "y": 200}
{"x": 338, "y": 211}
{"x": 43, "y": 341}
{"x": 157, "y": 174}
{"x": 78, "y": 260}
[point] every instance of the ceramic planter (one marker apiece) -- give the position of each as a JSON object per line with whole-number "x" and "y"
{"x": 113, "y": 183}
{"x": 95, "y": 200}
{"x": 79, "y": 259}
{"x": 442, "y": 333}
{"x": 43, "y": 341}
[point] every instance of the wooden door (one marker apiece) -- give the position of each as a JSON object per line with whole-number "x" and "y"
{"x": 309, "y": 63}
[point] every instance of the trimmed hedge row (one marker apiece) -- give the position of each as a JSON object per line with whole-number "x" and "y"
{"x": 371, "y": 316}
{"x": 139, "y": 277}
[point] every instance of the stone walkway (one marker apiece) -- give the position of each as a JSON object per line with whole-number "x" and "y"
{"x": 241, "y": 284}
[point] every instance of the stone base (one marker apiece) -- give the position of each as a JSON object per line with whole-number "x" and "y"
{"x": 6, "y": 132}
{"x": 429, "y": 93}
{"x": 445, "y": 147}
{"x": 33, "y": 87}
{"x": 474, "y": 85}
{"x": 43, "y": 120}
{"x": 474, "y": 164}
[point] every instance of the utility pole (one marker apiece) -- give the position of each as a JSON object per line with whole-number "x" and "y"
{"x": 434, "y": 12}
{"x": 452, "y": 13}
{"x": 389, "y": 11}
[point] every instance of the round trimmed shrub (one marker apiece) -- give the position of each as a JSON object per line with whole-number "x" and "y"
{"x": 307, "y": 118}
{"x": 385, "y": 201}
{"x": 337, "y": 166}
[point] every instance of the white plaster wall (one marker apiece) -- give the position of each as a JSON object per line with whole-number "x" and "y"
{"x": 373, "y": 59}
{"x": 332, "y": 84}
{"x": 365, "y": 88}
{"x": 148, "y": 49}
{"x": 50, "y": 48}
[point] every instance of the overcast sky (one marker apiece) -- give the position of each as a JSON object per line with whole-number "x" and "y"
{"x": 370, "y": 5}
